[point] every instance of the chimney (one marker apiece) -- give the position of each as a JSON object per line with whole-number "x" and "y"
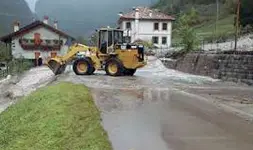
{"x": 16, "y": 26}
{"x": 150, "y": 13}
{"x": 56, "y": 24}
{"x": 137, "y": 14}
{"x": 136, "y": 29}
{"x": 45, "y": 19}
{"x": 120, "y": 14}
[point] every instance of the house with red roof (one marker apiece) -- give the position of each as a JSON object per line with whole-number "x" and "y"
{"x": 147, "y": 24}
{"x": 38, "y": 40}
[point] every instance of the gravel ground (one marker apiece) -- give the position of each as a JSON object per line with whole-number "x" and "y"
{"x": 245, "y": 43}
{"x": 16, "y": 87}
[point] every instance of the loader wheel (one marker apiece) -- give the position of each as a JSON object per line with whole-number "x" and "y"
{"x": 83, "y": 66}
{"x": 129, "y": 72}
{"x": 114, "y": 67}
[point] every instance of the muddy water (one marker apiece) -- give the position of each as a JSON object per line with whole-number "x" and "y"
{"x": 148, "y": 112}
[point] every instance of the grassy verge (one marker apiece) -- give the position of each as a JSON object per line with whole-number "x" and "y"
{"x": 59, "y": 117}
{"x": 224, "y": 26}
{"x": 205, "y": 31}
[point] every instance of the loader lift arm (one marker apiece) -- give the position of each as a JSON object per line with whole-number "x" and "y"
{"x": 58, "y": 64}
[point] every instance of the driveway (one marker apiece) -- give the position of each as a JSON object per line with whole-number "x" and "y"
{"x": 154, "y": 110}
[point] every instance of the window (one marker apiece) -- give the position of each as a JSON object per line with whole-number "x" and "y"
{"x": 48, "y": 41}
{"x": 155, "y": 40}
{"x": 156, "y": 26}
{"x": 127, "y": 39}
{"x": 164, "y": 40}
{"x": 56, "y": 41}
{"x": 118, "y": 37}
{"x": 165, "y": 26}
{"x": 32, "y": 41}
{"x": 128, "y": 25}
{"x": 110, "y": 38}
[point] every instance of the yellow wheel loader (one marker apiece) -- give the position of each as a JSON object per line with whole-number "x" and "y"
{"x": 111, "y": 55}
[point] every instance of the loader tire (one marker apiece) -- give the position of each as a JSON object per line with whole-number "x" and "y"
{"x": 114, "y": 67}
{"x": 83, "y": 66}
{"x": 129, "y": 72}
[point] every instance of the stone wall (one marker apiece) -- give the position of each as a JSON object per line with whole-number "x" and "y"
{"x": 228, "y": 67}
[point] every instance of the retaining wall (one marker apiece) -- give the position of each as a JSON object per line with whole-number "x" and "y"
{"x": 229, "y": 67}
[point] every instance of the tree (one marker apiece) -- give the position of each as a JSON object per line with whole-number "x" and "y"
{"x": 81, "y": 40}
{"x": 4, "y": 53}
{"x": 246, "y": 13}
{"x": 93, "y": 40}
{"x": 193, "y": 17}
{"x": 189, "y": 39}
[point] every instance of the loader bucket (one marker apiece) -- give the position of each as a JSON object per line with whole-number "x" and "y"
{"x": 56, "y": 67}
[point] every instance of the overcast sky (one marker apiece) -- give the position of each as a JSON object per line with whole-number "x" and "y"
{"x": 31, "y": 4}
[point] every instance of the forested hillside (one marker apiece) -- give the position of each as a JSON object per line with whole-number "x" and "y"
{"x": 11, "y": 10}
{"x": 203, "y": 15}
{"x": 206, "y": 9}
{"x": 81, "y": 17}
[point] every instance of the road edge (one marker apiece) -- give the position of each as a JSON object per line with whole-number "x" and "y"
{"x": 219, "y": 105}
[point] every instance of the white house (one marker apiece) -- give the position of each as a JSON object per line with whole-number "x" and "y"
{"x": 149, "y": 25}
{"x": 37, "y": 40}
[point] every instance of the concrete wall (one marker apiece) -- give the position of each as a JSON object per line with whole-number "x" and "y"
{"x": 145, "y": 31}
{"x": 228, "y": 67}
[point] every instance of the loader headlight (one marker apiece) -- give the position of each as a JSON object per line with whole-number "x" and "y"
{"x": 140, "y": 46}
{"x": 133, "y": 47}
{"x": 123, "y": 47}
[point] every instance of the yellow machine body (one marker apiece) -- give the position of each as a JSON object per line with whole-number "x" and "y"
{"x": 116, "y": 59}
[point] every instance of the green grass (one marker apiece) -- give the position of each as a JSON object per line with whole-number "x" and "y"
{"x": 58, "y": 117}
{"x": 224, "y": 26}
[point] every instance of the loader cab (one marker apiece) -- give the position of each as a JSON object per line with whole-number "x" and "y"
{"x": 111, "y": 40}
{"x": 108, "y": 38}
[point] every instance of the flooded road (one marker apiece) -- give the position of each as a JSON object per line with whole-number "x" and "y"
{"x": 151, "y": 112}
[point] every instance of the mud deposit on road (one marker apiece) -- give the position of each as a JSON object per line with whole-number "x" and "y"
{"x": 11, "y": 90}
{"x": 149, "y": 111}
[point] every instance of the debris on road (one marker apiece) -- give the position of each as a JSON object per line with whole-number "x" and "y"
{"x": 156, "y": 68}
{"x": 32, "y": 80}
{"x": 16, "y": 87}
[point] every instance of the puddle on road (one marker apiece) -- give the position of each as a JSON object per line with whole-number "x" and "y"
{"x": 132, "y": 117}
{"x": 164, "y": 119}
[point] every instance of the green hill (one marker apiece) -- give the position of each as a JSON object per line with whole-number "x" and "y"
{"x": 205, "y": 25}
{"x": 13, "y": 10}
{"x": 82, "y": 17}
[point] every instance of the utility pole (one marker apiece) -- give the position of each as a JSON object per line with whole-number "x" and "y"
{"x": 217, "y": 19}
{"x": 217, "y": 15}
{"x": 237, "y": 22}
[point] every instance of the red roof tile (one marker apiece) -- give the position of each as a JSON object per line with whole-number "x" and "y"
{"x": 36, "y": 24}
{"x": 146, "y": 13}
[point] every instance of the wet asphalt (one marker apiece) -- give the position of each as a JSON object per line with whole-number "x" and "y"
{"x": 151, "y": 112}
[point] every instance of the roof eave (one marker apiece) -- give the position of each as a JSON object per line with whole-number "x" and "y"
{"x": 130, "y": 18}
{"x": 9, "y": 37}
